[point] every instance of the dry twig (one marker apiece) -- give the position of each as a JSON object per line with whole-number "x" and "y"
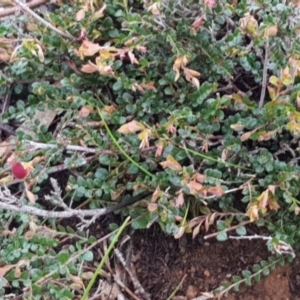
{"x": 41, "y": 20}
{"x": 11, "y": 10}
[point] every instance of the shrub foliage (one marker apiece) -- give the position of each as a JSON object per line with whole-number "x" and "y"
{"x": 196, "y": 101}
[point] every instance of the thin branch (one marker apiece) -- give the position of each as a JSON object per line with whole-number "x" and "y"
{"x": 52, "y": 214}
{"x": 12, "y": 203}
{"x": 41, "y": 20}
{"x": 208, "y": 236}
{"x": 10, "y": 11}
{"x": 265, "y": 74}
{"x": 280, "y": 247}
{"x": 250, "y": 237}
{"x": 138, "y": 288}
{"x": 225, "y": 192}
{"x": 68, "y": 147}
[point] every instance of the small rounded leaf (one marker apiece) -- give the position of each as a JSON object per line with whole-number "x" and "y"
{"x": 222, "y": 236}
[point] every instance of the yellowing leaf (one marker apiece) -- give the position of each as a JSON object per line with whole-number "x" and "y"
{"x": 176, "y": 68}
{"x": 30, "y": 196}
{"x": 171, "y": 163}
{"x": 274, "y": 80}
{"x": 179, "y": 233}
{"x": 152, "y": 207}
{"x": 265, "y": 136}
{"x": 89, "y": 68}
{"x": 156, "y": 195}
{"x": 7, "y": 179}
{"x": 191, "y": 73}
{"x": 252, "y": 213}
{"x": 271, "y": 31}
{"x": 246, "y": 136}
{"x": 144, "y": 137}
{"x": 132, "y": 58}
{"x": 262, "y": 199}
{"x": 268, "y": 199}
{"x": 154, "y": 8}
{"x": 98, "y": 14}
{"x": 103, "y": 67}
{"x": 106, "y": 54}
{"x": 237, "y": 127}
{"x": 298, "y": 99}
{"x": 86, "y": 275}
{"x": 40, "y": 53}
{"x": 249, "y": 25}
{"x": 272, "y": 93}
{"x": 286, "y": 77}
{"x": 198, "y": 23}
{"x": 179, "y": 63}
{"x": 85, "y": 111}
{"x": 75, "y": 287}
{"x": 77, "y": 280}
{"x": 29, "y": 234}
{"x": 195, "y": 187}
{"x": 141, "y": 49}
{"x": 293, "y": 127}
{"x": 135, "y": 86}
{"x": 195, "y": 82}
{"x": 131, "y": 127}
{"x": 109, "y": 109}
{"x": 5, "y": 269}
{"x": 80, "y": 15}
{"x": 88, "y": 49}
{"x": 4, "y": 55}
{"x": 216, "y": 191}
{"x": 149, "y": 86}
{"x": 179, "y": 201}
{"x": 191, "y": 76}
{"x": 199, "y": 177}
{"x": 159, "y": 149}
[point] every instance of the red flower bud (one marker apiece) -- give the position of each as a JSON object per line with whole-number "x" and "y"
{"x": 19, "y": 171}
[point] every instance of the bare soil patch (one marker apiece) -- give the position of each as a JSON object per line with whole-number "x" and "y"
{"x": 162, "y": 263}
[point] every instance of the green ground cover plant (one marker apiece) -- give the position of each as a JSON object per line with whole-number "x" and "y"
{"x": 196, "y": 102}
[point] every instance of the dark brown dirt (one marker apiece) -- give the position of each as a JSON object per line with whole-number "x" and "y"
{"x": 163, "y": 262}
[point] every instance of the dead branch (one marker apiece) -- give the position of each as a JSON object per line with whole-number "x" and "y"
{"x": 10, "y": 11}
{"x": 28, "y": 10}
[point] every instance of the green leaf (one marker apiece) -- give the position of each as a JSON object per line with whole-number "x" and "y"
{"x": 256, "y": 268}
{"x": 236, "y": 287}
{"x": 117, "y": 86}
{"x": 140, "y": 222}
{"x": 246, "y": 273}
{"x": 257, "y": 277}
{"x": 101, "y": 174}
{"x": 202, "y": 93}
{"x": 88, "y": 256}
{"x": 168, "y": 91}
{"x": 248, "y": 281}
{"x": 113, "y": 226}
{"x": 132, "y": 169}
{"x": 266, "y": 271}
{"x": 222, "y": 236}
{"x": 236, "y": 278}
{"x": 221, "y": 225}
{"x": 70, "y": 230}
{"x": 241, "y": 230}
{"x": 63, "y": 257}
{"x": 114, "y": 33}
{"x": 263, "y": 263}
